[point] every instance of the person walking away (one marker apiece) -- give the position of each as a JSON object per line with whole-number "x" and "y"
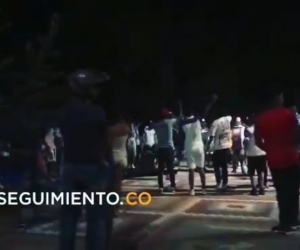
{"x": 194, "y": 149}
{"x": 238, "y": 132}
{"x": 220, "y": 134}
{"x": 276, "y": 132}
{"x": 165, "y": 148}
{"x": 84, "y": 129}
{"x": 257, "y": 161}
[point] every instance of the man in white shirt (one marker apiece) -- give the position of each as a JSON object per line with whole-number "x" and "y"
{"x": 220, "y": 134}
{"x": 257, "y": 161}
{"x": 194, "y": 149}
{"x": 238, "y": 132}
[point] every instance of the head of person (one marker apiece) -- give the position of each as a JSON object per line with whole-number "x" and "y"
{"x": 165, "y": 114}
{"x": 150, "y": 123}
{"x": 86, "y": 83}
{"x": 203, "y": 123}
{"x": 238, "y": 121}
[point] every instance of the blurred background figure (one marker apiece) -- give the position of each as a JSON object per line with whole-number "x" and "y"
{"x": 132, "y": 147}
{"x": 119, "y": 132}
{"x": 238, "y": 132}
{"x": 59, "y": 144}
{"x": 51, "y": 153}
{"x": 295, "y": 110}
{"x": 149, "y": 138}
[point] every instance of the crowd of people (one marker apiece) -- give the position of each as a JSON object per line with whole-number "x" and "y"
{"x": 185, "y": 139}
{"x": 268, "y": 140}
{"x": 84, "y": 152}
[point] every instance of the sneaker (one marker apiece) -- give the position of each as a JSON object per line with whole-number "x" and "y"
{"x": 283, "y": 229}
{"x": 203, "y": 191}
{"x": 253, "y": 191}
{"x": 296, "y": 226}
{"x": 224, "y": 186}
{"x": 161, "y": 189}
{"x": 261, "y": 192}
{"x": 218, "y": 187}
{"x": 169, "y": 189}
{"x": 192, "y": 192}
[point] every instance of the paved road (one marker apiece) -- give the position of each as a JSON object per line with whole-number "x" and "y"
{"x": 231, "y": 220}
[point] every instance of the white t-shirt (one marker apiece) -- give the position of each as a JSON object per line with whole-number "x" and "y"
{"x": 252, "y": 149}
{"x": 193, "y": 135}
{"x": 221, "y": 130}
{"x": 149, "y": 137}
{"x": 238, "y": 136}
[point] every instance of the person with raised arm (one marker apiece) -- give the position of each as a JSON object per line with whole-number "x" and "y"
{"x": 194, "y": 146}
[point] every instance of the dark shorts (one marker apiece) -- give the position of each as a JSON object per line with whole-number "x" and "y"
{"x": 239, "y": 154}
{"x": 221, "y": 157}
{"x": 257, "y": 163}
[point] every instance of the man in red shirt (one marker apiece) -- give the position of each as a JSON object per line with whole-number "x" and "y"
{"x": 276, "y": 133}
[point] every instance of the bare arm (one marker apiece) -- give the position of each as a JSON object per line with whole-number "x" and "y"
{"x": 211, "y": 134}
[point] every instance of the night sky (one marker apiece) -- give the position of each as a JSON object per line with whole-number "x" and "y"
{"x": 160, "y": 51}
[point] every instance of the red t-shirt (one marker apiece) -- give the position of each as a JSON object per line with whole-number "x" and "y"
{"x": 277, "y": 129}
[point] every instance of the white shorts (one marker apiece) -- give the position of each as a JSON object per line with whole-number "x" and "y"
{"x": 195, "y": 158}
{"x": 120, "y": 158}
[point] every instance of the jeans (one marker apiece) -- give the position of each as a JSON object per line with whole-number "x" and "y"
{"x": 85, "y": 178}
{"x": 165, "y": 158}
{"x": 220, "y": 160}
